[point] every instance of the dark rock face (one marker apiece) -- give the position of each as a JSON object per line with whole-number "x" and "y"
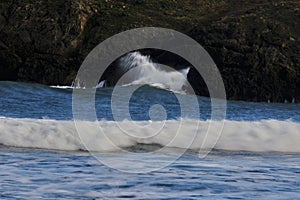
{"x": 255, "y": 44}
{"x": 38, "y": 40}
{"x": 257, "y": 52}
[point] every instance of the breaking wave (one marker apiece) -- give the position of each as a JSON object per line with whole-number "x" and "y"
{"x": 256, "y": 136}
{"x": 145, "y": 72}
{"x": 142, "y": 71}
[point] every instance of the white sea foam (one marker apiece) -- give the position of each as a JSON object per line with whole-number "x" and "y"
{"x": 262, "y": 136}
{"x": 150, "y": 73}
{"x": 62, "y": 87}
{"x": 146, "y": 73}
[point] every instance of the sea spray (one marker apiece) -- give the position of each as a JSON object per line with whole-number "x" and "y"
{"x": 150, "y": 73}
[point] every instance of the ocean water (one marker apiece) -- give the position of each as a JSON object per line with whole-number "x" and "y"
{"x": 147, "y": 148}
{"x": 256, "y": 157}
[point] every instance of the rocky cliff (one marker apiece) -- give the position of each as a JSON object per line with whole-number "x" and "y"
{"x": 255, "y": 44}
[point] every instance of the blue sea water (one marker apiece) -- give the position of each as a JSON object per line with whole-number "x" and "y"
{"x": 256, "y": 157}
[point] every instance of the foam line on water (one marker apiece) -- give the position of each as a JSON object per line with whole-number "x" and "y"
{"x": 262, "y": 136}
{"x": 62, "y": 87}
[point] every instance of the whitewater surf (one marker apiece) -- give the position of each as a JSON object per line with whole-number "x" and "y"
{"x": 146, "y": 72}
{"x": 255, "y": 136}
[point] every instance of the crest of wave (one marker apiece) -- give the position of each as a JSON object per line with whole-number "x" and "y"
{"x": 256, "y": 136}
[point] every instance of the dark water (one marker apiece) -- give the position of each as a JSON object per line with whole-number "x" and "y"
{"x": 30, "y": 170}
{"x": 23, "y": 100}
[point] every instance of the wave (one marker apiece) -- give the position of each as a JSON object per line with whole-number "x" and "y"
{"x": 258, "y": 136}
{"x": 137, "y": 69}
{"x": 142, "y": 71}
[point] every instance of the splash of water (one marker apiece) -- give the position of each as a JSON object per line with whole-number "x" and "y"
{"x": 150, "y": 73}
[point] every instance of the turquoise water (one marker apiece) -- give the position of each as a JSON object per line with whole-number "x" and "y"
{"x": 256, "y": 157}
